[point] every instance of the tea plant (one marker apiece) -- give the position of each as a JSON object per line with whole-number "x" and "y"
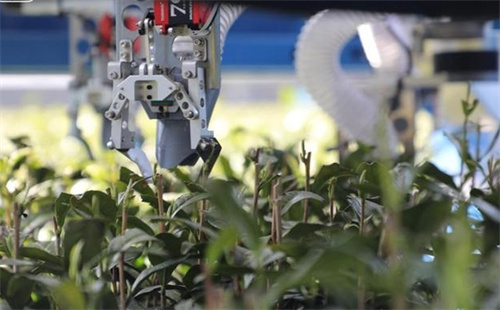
{"x": 361, "y": 234}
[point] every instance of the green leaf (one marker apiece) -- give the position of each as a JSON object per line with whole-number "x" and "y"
{"x": 303, "y": 230}
{"x": 170, "y": 264}
{"x": 21, "y": 141}
{"x": 62, "y": 207}
{"x": 291, "y": 198}
{"x": 139, "y": 183}
{"x": 19, "y": 291}
{"x": 135, "y": 222}
{"x": 131, "y": 237}
{"x": 41, "y": 255}
{"x": 5, "y": 277}
{"x": 426, "y": 218}
{"x": 328, "y": 172}
{"x": 229, "y": 207}
{"x": 428, "y": 169}
{"x": 188, "y": 200}
{"x": 90, "y": 231}
{"x": 141, "y": 186}
{"x": 99, "y": 204}
{"x": 69, "y": 296}
{"x": 371, "y": 207}
{"x": 171, "y": 243}
{"x": 225, "y": 240}
{"x": 193, "y": 277}
{"x": 226, "y": 167}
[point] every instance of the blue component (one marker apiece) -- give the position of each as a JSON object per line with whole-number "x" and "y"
{"x": 83, "y": 47}
{"x": 258, "y": 39}
{"x": 496, "y": 24}
{"x": 89, "y": 26}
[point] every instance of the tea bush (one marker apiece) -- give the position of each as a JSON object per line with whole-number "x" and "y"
{"x": 367, "y": 233}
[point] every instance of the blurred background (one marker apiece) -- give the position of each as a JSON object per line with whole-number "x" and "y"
{"x": 262, "y": 101}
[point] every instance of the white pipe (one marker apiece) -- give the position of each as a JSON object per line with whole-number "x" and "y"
{"x": 229, "y": 13}
{"x": 317, "y": 60}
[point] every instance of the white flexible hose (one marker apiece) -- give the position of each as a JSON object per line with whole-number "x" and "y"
{"x": 317, "y": 62}
{"x": 229, "y": 13}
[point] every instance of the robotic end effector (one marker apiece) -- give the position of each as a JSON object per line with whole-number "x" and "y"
{"x": 170, "y": 64}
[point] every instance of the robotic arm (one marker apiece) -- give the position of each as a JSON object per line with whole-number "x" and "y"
{"x": 170, "y": 63}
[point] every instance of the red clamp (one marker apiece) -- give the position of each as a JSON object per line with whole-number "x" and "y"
{"x": 180, "y": 12}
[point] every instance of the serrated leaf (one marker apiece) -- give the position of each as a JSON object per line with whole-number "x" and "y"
{"x": 225, "y": 240}
{"x": 19, "y": 291}
{"x": 328, "y": 172}
{"x": 291, "y": 198}
{"x": 41, "y": 255}
{"x": 227, "y": 206}
{"x": 135, "y": 222}
{"x": 303, "y": 230}
{"x": 62, "y": 207}
{"x": 188, "y": 200}
{"x": 428, "y": 169}
{"x": 90, "y": 231}
{"x": 99, "y": 204}
{"x": 146, "y": 273}
{"x": 131, "y": 237}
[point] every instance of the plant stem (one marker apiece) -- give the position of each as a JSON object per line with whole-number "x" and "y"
{"x": 276, "y": 214}
{"x": 113, "y": 281}
{"x": 393, "y": 231}
{"x": 362, "y": 219}
{"x": 331, "y": 202}
{"x": 123, "y": 298}
{"x": 236, "y": 279}
{"x": 361, "y": 293}
{"x": 212, "y": 298}
{"x": 57, "y": 232}
{"x": 255, "y": 199}
{"x": 159, "y": 187}
{"x": 203, "y": 208}
{"x": 17, "y": 229}
{"x": 478, "y": 150}
{"x": 306, "y": 159}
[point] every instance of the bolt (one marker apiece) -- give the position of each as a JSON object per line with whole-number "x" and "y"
{"x": 179, "y": 96}
{"x": 203, "y": 145}
{"x": 188, "y": 74}
{"x": 124, "y": 44}
{"x": 110, "y": 145}
{"x": 123, "y": 55}
{"x": 198, "y": 42}
{"x": 110, "y": 114}
{"x": 197, "y": 54}
{"x": 190, "y": 114}
{"x": 113, "y": 75}
{"x": 121, "y": 96}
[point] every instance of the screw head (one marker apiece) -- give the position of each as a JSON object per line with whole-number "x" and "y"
{"x": 190, "y": 114}
{"x": 188, "y": 74}
{"x": 197, "y": 54}
{"x": 110, "y": 114}
{"x": 113, "y": 75}
{"x": 198, "y": 42}
{"x": 110, "y": 145}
